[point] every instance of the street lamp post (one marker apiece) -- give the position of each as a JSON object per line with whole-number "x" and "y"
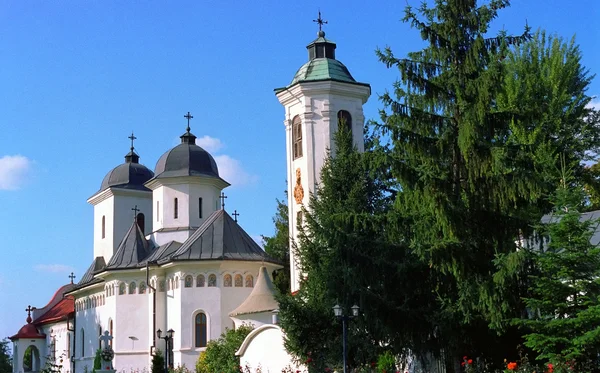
{"x": 168, "y": 338}
{"x": 339, "y": 313}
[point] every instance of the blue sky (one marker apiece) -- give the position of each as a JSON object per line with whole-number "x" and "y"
{"x": 76, "y": 77}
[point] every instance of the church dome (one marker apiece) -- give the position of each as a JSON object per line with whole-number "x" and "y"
{"x": 186, "y": 159}
{"x": 323, "y": 69}
{"x": 129, "y": 175}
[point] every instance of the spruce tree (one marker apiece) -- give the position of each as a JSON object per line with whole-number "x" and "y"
{"x": 463, "y": 191}
{"x": 5, "y": 357}
{"x": 563, "y": 323}
{"x": 351, "y": 252}
{"x": 278, "y": 247}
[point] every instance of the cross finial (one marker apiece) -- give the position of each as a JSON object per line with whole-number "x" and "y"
{"x": 235, "y": 215}
{"x": 320, "y": 21}
{"x": 135, "y": 212}
{"x": 132, "y": 137}
{"x": 28, "y": 310}
{"x": 222, "y": 197}
{"x": 72, "y": 277}
{"x": 188, "y": 116}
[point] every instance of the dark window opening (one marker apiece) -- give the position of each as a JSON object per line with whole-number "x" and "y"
{"x": 200, "y": 208}
{"x": 297, "y": 136}
{"x": 175, "y": 209}
{"x": 200, "y": 330}
{"x": 345, "y": 119}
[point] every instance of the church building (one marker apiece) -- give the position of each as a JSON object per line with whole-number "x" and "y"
{"x": 168, "y": 257}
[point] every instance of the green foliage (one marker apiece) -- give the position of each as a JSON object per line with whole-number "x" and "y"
{"x": 5, "y": 357}
{"x": 51, "y": 366}
{"x": 180, "y": 369}
{"x": 564, "y": 299}
{"x": 27, "y": 359}
{"x": 201, "y": 366}
{"x": 278, "y": 247}
{"x": 158, "y": 362}
{"x": 220, "y": 354}
{"x": 386, "y": 362}
{"x": 97, "y": 360}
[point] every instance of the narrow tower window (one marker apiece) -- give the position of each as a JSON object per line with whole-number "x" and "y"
{"x": 103, "y": 226}
{"x": 200, "y": 330}
{"x": 345, "y": 119}
{"x": 297, "y": 136}
{"x": 157, "y": 209}
{"x": 200, "y": 208}
{"x": 175, "y": 209}
{"x": 141, "y": 222}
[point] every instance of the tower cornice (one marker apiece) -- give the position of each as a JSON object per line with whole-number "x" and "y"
{"x": 303, "y": 89}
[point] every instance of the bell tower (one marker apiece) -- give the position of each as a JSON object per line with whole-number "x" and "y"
{"x": 322, "y": 95}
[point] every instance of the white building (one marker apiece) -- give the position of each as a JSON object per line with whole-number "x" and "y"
{"x": 167, "y": 256}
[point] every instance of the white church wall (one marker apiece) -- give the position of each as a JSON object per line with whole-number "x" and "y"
{"x": 57, "y": 344}
{"x": 264, "y": 348}
{"x": 254, "y": 319}
{"x": 124, "y": 203}
{"x": 88, "y": 317}
{"x": 103, "y": 245}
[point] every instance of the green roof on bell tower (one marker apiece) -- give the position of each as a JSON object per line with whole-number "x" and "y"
{"x": 322, "y": 65}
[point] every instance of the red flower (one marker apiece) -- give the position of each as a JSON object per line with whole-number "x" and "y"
{"x": 373, "y": 365}
{"x": 465, "y": 357}
{"x": 470, "y": 361}
{"x": 107, "y": 368}
{"x": 550, "y": 368}
{"x": 512, "y": 366}
{"x": 309, "y": 360}
{"x": 462, "y": 364}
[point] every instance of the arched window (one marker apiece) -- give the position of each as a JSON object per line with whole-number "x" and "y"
{"x": 176, "y": 282}
{"x": 227, "y": 281}
{"x": 99, "y": 335}
{"x": 297, "y": 136}
{"x": 170, "y": 284}
{"x": 69, "y": 345}
{"x": 141, "y": 222}
{"x": 175, "y": 209}
{"x": 238, "y": 281}
{"x": 249, "y": 281}
{"x": 200, "y": 330}
{"x": 121, "y": 288}
{"x": 132, "y": 288}
{"x": 188, "y": 281}
{"x": 200, "y": 208}
{"x": 345, "y": 119}
{"x": 212, "y": 281}
{"x": 82, "y": 342}
{"x": 142, "y": 288}
{"x": 200, "y": 281}
{"x": 103, "y": 226}
{"x": 157, "y": 211}
{"x": 161, "y": 285}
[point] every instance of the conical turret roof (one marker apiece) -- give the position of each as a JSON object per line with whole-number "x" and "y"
{"x": 262, "y": 298}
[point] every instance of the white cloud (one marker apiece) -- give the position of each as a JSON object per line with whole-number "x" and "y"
{"x": 210, "y": 144}
{"x": 595, "y": 103}
{"x": 54, "y": 268}
{"x": 14, "y": 170}
{"x": 231, "y": 170}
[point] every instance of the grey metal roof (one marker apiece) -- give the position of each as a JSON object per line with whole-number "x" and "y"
{"x": 186, "y": 159}
{"x": 133, "y": 249}
{"x": 590, "y": 215}
{"x": 129, "y": 175}
{"x": 219, "y": 237}
{"x": 88, "y": 277}
{"x": 163, "y": 252}
{"x": 262, "y": 298}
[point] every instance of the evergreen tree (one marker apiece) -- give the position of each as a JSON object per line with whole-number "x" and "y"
{"x": 350, "y": 252}
{"x": 5, "y": 357}
{"x": 464, "y": 191}
{"x": 158, "y": 362}
{"x": 564, "y": 301}
{"x": 278, "y": 247}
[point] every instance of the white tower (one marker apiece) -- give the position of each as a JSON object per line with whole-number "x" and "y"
{"x": 185, "y": 190}
{"x": 322, "y": 93}
{"x": 122, "y": 189}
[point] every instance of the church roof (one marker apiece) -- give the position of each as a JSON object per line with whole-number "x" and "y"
{"x": 163, "y": 252}
{"x": 88, "y": 277}
{"x": 61, "y": 310}
{"x": 262, "y": 298}
{"x": 132, "y": 250}
{"x": 320, "y": 69}
{"x": 129, "y": 175}
{"x": 28, "y": 331}
{"x": 220, "y": 238}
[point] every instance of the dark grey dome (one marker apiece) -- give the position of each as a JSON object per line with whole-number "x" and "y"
{"x": 129, "y": 175}
{"x": 186, "y": 159}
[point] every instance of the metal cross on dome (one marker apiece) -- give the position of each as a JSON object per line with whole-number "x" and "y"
{"x": 28, "y": 310}
{"x": 132, "y": 137}
{"x": 235, "y": 215}
{"x": 320, "y": 21}
{"x": 188, "y": 116}
{"x": 72, "y": 277}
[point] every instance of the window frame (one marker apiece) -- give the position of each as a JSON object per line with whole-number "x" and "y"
{"x": 297, "y": 143}
{"x": 197, "y": 327}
